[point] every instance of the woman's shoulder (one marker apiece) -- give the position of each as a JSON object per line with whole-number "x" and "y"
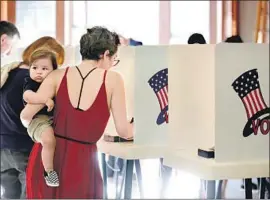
{"x": 114, "y": 75}
{"x": 57, "y": 74}
{"x": 114, "y": 79}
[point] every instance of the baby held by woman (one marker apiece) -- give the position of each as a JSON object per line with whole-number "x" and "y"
{"x": 42, "y": 63}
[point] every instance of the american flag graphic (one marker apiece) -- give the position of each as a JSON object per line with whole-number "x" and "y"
{"x": 159, "y": 83}
{"x": 248, "y": 89}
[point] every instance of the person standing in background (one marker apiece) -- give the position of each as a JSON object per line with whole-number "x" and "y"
{"x": 196, "y": 38}
{"x": 9, "y": 35}
{"x": 129, "y": 41}
{"x": 234, "y": 39}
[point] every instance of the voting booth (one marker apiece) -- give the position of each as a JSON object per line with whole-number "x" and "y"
{"x": 219, "y": 97}
{"x": 151, "y": 95}
{"x": 145, "y": 73}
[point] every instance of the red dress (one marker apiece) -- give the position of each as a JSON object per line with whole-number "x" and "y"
{"x": 76, "y": 158}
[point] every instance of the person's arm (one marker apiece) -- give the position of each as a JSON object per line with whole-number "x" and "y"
{"x": 124, "y": 126}
{"x": 47, "y": 90}
{"x": 34, "y": 98}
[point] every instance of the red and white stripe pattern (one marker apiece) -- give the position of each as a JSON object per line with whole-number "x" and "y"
{"x": 162, "y": 96}
{"x": 254, "y": 102}
{"x": 159, "y": 83}
{"x": 248, "y": 88}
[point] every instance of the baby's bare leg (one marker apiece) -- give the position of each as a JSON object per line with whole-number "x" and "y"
{"x": 48, "y": 148}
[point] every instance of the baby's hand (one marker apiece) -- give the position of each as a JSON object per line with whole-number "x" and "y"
{"x": 50, "y": 104}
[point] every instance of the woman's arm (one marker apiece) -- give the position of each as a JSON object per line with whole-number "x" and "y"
{"x": 118, "y": 107}
{"x": 34, "y": 98}
{"x": 47, "y": 90}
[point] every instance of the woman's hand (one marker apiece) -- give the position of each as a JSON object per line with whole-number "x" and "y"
{"x": 130, "y": 138}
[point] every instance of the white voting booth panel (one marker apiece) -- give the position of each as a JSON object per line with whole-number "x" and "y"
{"x": 219, "y": 96}
{"x": 151, "y": 95}
{"x": 145, "y": 73}
{"x": 126, "y": 55}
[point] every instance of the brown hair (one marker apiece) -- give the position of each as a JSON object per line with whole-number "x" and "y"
{"x": 96, "y": 41}
{"x": 46, "y": 42}
{"x": 43, "y": 53}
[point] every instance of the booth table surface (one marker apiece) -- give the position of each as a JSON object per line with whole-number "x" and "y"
{"x": 208, "y": 169}
{"x": 130, "y": 151}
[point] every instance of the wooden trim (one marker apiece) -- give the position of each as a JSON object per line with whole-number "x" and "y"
{"x": 264, "y": 20}
{"x": 224, "y": 16}
{"x": 238, "y": 17}
{"x": 8, "y": 11}
{"x": 4, "y": 10}
{"x": 60, "y": 21}
{"x": 235, "y": 17}
{"x": 213, "y": 22}
{"x": 258, "y": 17}
{"x": 164, "y": 22}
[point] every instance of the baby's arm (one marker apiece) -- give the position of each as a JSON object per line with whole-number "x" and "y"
{"x": 34, "y": 98}
{"x": 48, "y": 90}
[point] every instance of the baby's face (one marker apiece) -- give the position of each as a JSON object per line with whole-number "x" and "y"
{"x": 40, "y": 69}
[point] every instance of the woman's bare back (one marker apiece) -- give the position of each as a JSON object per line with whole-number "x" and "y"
{"x": 83, "y": 92}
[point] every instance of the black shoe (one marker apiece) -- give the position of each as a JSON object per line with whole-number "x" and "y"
{"x": 51, "y": 178}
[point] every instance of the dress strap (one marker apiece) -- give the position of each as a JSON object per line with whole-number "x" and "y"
{"x": 86, "y": 74}
{"x": 104, "y": 77}
{"x": 66, "y": 71}
{"x": 83, "y": 78}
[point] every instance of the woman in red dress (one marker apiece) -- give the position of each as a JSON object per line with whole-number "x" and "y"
{"x": 85, "y": 95}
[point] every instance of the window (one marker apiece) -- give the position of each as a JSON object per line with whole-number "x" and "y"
{"x": 79, "y": 21}
{"x": 135, "y": 19}
{"x": 228, "y": 19}
{"x": 188, "y": 17}
{"x": 219, "y": 22}
{"x": 35, "y": 19}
